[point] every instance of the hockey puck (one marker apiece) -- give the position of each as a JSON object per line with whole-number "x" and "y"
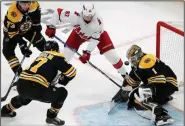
{"x": 126, "y": 63}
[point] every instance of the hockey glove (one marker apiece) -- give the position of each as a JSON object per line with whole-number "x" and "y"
{"x": 63, "y": 80}
{"x": 85, "y": 57}
{"x": 25, "y": 51}
{"x": 50, "y": 31}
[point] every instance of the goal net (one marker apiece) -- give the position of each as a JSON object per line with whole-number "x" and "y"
{"x": 170, "y": 46}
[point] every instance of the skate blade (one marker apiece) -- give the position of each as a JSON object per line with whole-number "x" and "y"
{"x": 166, "y": 122}
{"x": 52, "y": 124}
{"x": 47, "y": 124}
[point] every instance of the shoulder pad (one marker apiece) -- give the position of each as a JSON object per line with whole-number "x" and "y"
{"x": 55, "y": 53}
{"x": 14, "y": 14}
{"x": 147, "y": 61}
{"x": 33, "y": 6}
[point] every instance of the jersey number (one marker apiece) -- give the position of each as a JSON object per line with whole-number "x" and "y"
{"x": 67, "y": 13}
{"x": 99, "y": 21}
{"x": 40, "y": 63}
{"x": 11, "y": 25}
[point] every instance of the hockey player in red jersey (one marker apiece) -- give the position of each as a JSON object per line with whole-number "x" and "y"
{"x": 87, "y": 26}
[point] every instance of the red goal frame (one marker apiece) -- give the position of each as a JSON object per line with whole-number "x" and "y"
{"x": 158, "y": 34}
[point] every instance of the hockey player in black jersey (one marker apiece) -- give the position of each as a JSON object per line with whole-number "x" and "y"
{"x": 38, "y": 83}
{"x": 152, "y": 83}
{"x": 22, "y": 20}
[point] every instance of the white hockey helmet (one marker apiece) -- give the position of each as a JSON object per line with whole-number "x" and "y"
{"x": 88, "y": 11}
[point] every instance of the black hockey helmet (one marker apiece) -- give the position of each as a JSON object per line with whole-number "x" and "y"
{"x": 24, "y": 2}
{"x": 51, "y": 45}
{"x": 134, "y": 54}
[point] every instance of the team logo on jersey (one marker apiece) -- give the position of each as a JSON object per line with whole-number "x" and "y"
{"x": 14, "y": 14}
{"x": 147, "y": 60}
{"x": 24, "y": 27}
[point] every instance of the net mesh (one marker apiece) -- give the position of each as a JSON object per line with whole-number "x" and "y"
{"x": 172, "y": 49}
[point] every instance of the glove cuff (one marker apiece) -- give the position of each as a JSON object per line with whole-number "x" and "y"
{"x": 51, "y": 26}
{"x": 86, "y": 51}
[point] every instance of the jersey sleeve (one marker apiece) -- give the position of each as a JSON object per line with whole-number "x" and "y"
{"x": 67, "y": 69}
{"x": 132, "y": 80}
{"x": 64, "y": 16}
{"x": 12, "y": 20}
{"x": 12, "y": 28}
{"x": 35, "y": 13}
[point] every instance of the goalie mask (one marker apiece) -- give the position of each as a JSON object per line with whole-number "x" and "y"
{"x": 134, "y": 55}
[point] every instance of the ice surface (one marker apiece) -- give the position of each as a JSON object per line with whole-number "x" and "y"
{"x": 127, "y": 23}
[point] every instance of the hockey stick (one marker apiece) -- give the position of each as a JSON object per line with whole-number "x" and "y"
{"x": 16, "y": 74}
{"x": 89, "y": 62}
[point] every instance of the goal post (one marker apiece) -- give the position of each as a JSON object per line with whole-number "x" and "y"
{"x": 170, "y": 46}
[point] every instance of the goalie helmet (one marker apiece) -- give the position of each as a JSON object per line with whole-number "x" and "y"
{"x": 88, "y": 11}
{"x": 134, "y": 55}
{"x": 51, "y": 46}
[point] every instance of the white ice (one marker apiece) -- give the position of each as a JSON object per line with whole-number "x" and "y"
{"x": 127, "y": 23}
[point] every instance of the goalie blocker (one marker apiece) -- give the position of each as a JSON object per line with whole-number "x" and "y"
{"x": 159, "y": 83}
{"x": 35, "y": 83}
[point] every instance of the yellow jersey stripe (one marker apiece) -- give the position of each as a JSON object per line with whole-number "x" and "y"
{"x": 35, "y": 80}
{"x": 12, "y": 60}
{"x": 72, "y": 75}
{"x": 37, "y": 75}
{"x": 159, "y": 76}
{"x": 68, "y": 71}
{"x": 151, "y": 82}
{"x": 12, "y": 66}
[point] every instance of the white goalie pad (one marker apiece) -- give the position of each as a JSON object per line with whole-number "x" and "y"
{"x": 144, "y": 93}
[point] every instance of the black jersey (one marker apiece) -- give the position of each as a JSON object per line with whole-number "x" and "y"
{"x": 45, "y": 68}
{"x": 18, "y": 22}
{"x": 151, "y": 70}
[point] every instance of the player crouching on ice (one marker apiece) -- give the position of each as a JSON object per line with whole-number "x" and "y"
{"x": 87, "y": 26}
{"x": 159, "y": 83}
{"x": 38, "y": 83}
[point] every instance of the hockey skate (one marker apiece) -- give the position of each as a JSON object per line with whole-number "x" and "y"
{"x": 52, "y": 118}
{"x": 7, "y": 113}
{"x": 163, "y": 118}
{"x": 56, "y": 121}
